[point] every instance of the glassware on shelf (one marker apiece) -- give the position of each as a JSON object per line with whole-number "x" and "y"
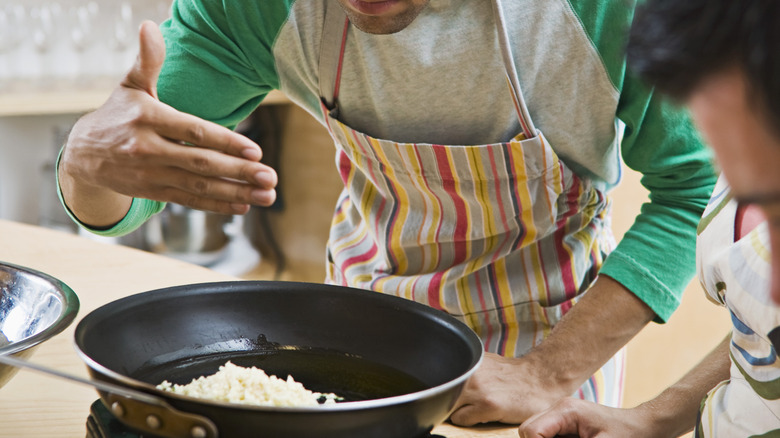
{"x": 123, "y": 36}
{"x": 7, "y": 45}
{"x": 82, "y": 22}
{"x": 67, "y": 44}
{"x": 13, "y": 31}
{"x": 43, "y": 28}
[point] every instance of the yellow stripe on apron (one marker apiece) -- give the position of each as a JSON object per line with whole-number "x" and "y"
{"x": 503, "y": 236}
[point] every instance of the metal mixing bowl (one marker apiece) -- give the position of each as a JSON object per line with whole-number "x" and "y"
{"x": 33, "y": 308}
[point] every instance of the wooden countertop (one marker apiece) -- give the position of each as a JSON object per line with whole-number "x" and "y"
{"x": 37, "y": 406}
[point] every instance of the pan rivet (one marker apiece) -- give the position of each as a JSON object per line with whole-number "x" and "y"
{"x": 117, "y": 409}
{"x": 153, "y": 421}
{"x": 199, "y": 432}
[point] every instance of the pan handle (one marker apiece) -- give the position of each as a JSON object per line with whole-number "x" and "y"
{"x": 158, "y": 418}
{"x": 136, "y": 409}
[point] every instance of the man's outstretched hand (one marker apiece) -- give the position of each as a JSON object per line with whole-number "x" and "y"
{"x": 136, "y": 146}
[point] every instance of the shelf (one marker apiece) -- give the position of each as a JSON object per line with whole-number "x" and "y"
{"x": 73, "y": 101}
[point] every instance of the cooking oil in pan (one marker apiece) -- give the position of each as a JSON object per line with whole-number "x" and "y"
{"x": 350, "y": 377}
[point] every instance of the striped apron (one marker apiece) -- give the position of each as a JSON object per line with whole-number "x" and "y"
{"x": 503, "y": 236}
{"x": 737, "y": 275}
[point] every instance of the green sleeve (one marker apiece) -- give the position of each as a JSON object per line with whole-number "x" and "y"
{"x": 219, "y": 66}
{"x": 656, "y": 258}
{"x": 219, "y": 62}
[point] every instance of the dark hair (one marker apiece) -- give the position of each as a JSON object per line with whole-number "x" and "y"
{"x": 675, "y": 44}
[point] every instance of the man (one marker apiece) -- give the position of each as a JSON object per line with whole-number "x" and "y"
{"x": 487, "y": 201}
{"x": 720, "y": 57}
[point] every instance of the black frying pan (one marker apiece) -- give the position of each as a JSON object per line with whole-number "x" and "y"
{"x": 399, "y": 364}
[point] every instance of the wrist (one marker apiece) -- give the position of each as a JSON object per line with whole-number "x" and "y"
{"x": 92, "y": 205}
{"x": 661, "y": 419}
{"x": 557, "y": 381}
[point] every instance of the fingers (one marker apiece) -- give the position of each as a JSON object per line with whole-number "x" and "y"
{"x": 203, "y": 193}
{"x": 190, "y": 129}
{"x": 220, "y": 188}
{"x": 469, "y": 415}
{"x": 184, "y": 174}
{"x": 545, "y": 425}
{"x": 473, "y": 408}
{"x": 207, "y": 163}
{"x": 151, "y": 54}
{"x": 209, "y": 204}
{"x": 563, "y": 419}
{"x": 485, "y": 398}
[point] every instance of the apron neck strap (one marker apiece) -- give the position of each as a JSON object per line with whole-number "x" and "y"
{"x": 334, "y": 39}
{"x": 511, "y": 72}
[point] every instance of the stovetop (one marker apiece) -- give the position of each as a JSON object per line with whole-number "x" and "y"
{"x": 102, "y": 424}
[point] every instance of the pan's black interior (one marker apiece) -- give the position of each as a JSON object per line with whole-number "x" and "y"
{"x": 180, "y": 326}
{"x": 351, "y": 378}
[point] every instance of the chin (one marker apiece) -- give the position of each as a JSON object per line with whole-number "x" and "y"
{"x": 384, "y": 24}
{"x": 379, "y": 26}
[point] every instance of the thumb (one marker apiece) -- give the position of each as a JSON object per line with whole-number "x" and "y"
{"x": 151, "y": 54}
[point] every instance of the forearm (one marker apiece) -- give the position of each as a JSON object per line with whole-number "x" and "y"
{"x": 675, "y": 410}
{"x": 598, "y": 326}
